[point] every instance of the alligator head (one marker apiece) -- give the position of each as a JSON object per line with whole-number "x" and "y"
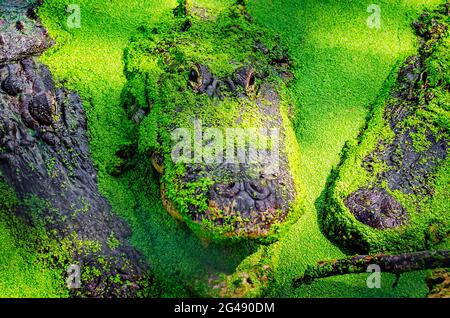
{"x": 209, "y": 94}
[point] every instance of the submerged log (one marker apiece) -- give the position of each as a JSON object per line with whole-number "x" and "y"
{"x": 394, "y": 264}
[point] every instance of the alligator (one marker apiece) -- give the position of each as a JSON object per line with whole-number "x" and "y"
{"x": 390, "y": 192}
{"x": 44, "y": 156}
{"x": 209, "y": 92}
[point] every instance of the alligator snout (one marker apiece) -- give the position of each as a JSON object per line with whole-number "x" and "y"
{"x": 242, "y": 200}
{"x": 256, "y": 204}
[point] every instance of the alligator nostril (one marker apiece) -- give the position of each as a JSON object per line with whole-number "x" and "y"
{"x": 257, "y": 191}
{"x": 228, "y": 190}
{"x": 232, "y": 185}
{"x": 256, "y": 187}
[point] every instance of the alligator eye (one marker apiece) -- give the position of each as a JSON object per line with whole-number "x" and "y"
{"x": 195, "y": 78}
{"x": 199, "y": 78}
{"x": 251, "y": 81}
{"x": 246, "y": 78}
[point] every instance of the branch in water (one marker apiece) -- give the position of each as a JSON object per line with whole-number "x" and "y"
{"x": 395, "y": 264}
